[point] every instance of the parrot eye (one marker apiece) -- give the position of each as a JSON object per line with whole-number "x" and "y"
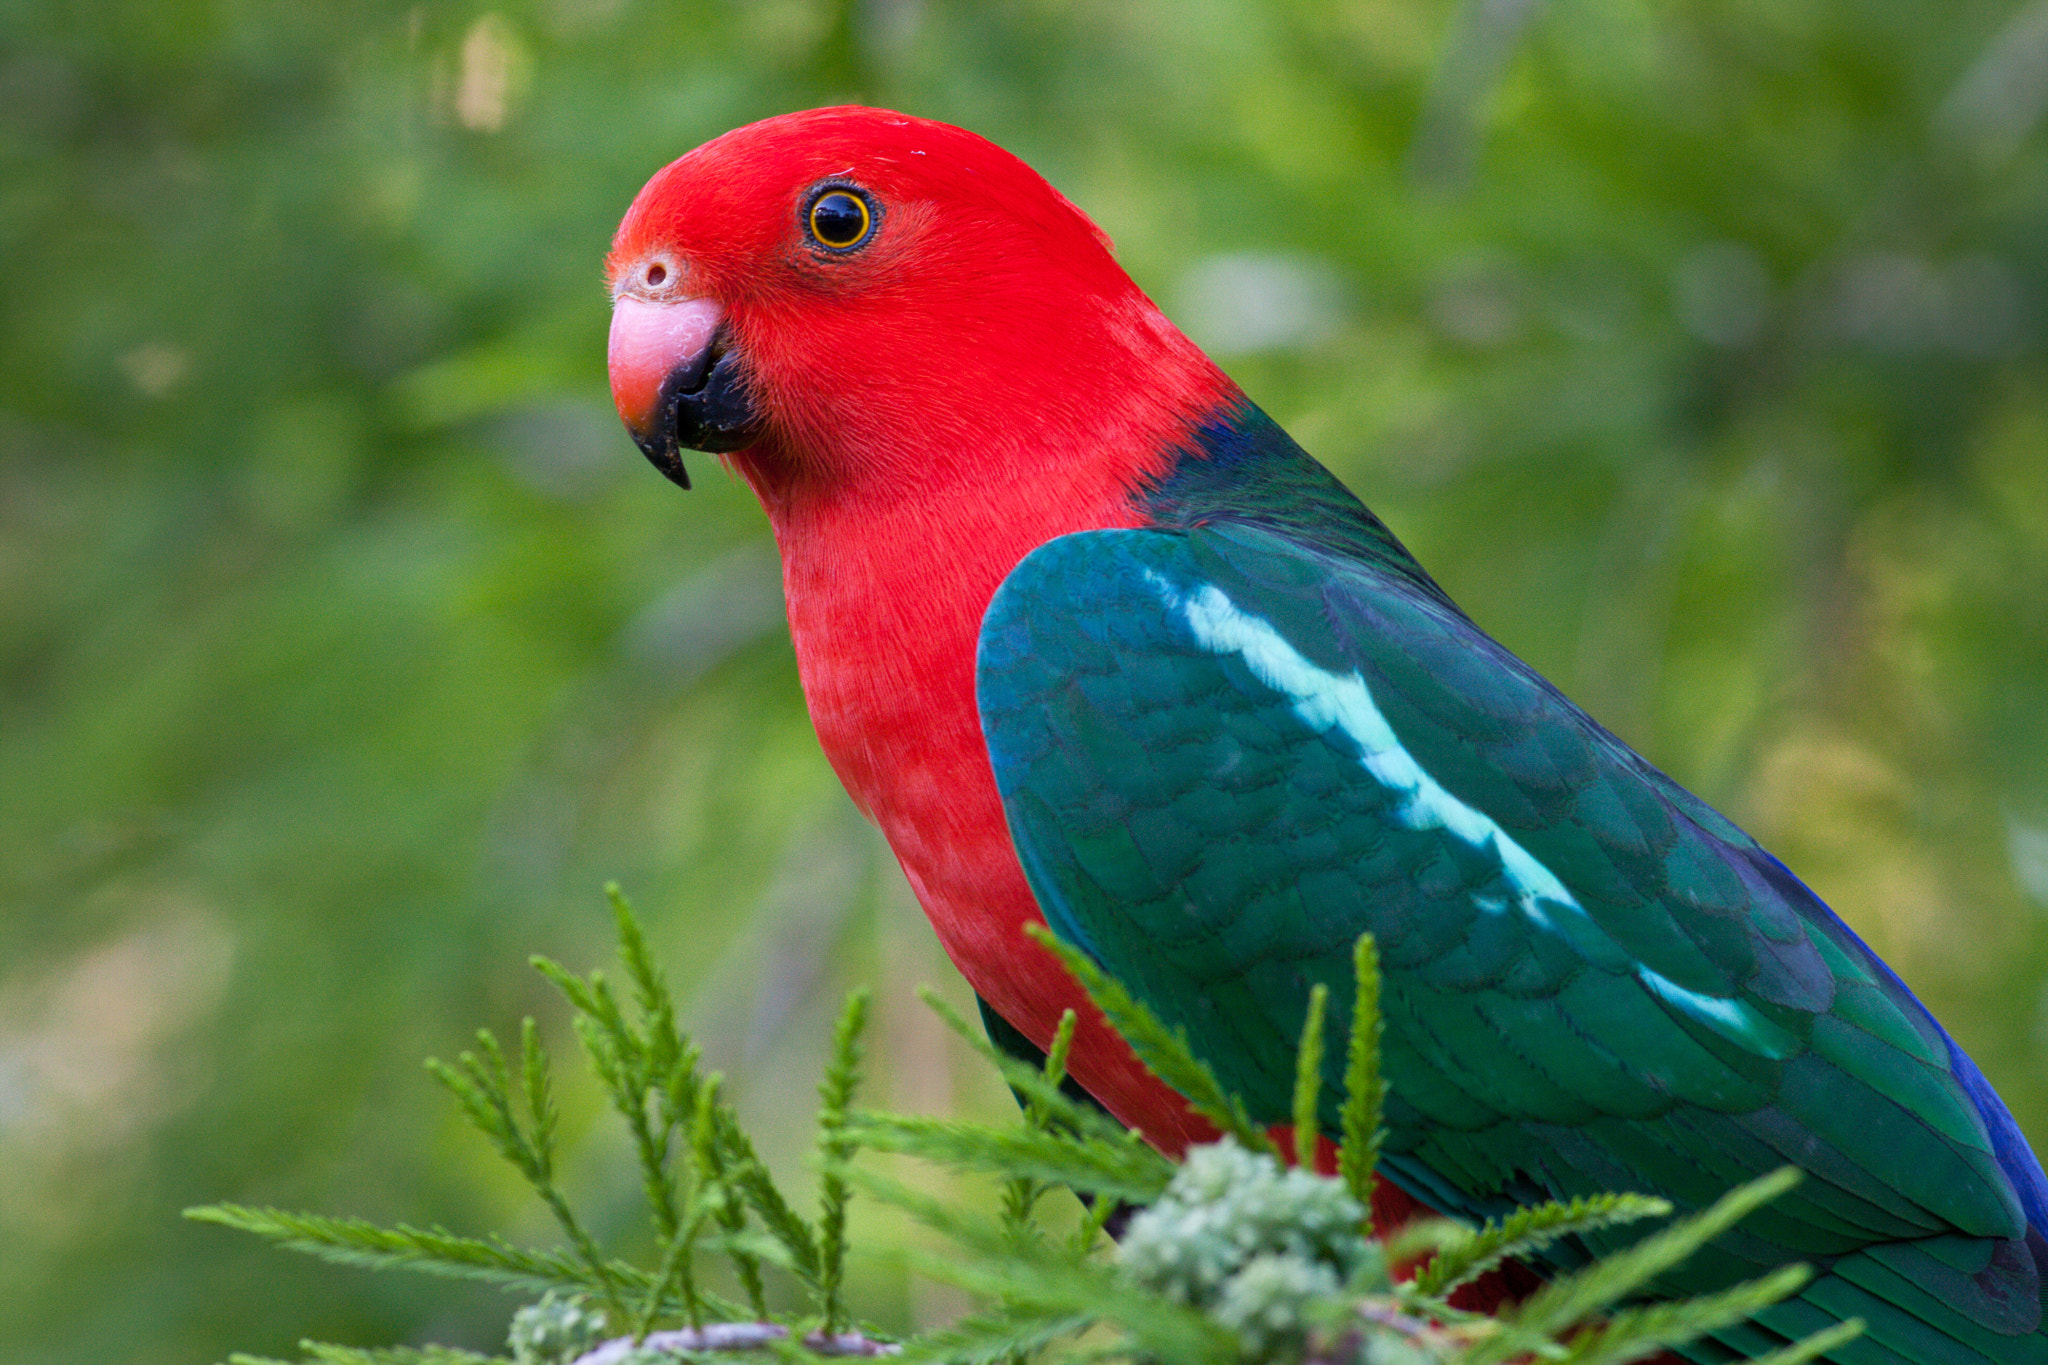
{"x": 840, "y": 219}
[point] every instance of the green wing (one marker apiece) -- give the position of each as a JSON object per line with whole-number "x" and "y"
{"x": 1225, "y": 754}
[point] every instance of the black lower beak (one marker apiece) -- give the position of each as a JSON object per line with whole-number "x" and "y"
{"x": 706, "y": 406}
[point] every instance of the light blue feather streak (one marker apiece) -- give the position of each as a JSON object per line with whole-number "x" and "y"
{"x": 1325, "y": 701}
{"x": 1732, "y": 1019}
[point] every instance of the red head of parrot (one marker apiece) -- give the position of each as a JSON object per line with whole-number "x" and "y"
{"x": 852, "y": 293}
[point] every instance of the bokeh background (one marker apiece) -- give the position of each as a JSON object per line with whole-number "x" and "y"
{"x": 347, "y": 648}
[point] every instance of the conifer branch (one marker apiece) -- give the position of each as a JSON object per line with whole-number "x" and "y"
{"x": 714, "y": 1184}
{"x": 1634, "y": 1333}
{"x": 1029, "y": 1082}
{"x": 482, "y": 1085}
{"x": 540, "y": 1103}
{"x": 1815, "y": 1346}
{"x": 1571, "y": 1299}
{"x": 837, "y": 1141}
{"x": 1021, "y": 1192}
{"x": 1110, "y": 1170}
{"x": 748, "y": 1177}
{"x": 1164, "y": 1051}
{"x": 674, "y": 1275}
{"x": 327, "y": 1353}
{"x": 632, "y": 1066}
{"x": 993, "y": 1337}
{"x": 664, "y": 1044}
{"x": 1056, "y": 1062}
{"x": 1235, "y": 1258}
{"x": 1308, "y": 1079}
{"x": 1060, "y": 1283}
{"x": 1525, "y": 1230}
{"x": 1365, "y": 1094}
{"x": 354, "y": 1241}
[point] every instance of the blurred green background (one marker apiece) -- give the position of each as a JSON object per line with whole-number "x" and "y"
{"x": 1698, "y": 346}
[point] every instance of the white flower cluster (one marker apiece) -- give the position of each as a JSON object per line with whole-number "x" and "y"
{"x": 555, "y": 1331}
{"x": 1268, "y": 1252}
{"x": 1270, "y": 1301}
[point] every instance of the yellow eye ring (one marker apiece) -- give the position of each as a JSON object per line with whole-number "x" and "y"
{"x": 840, "y": 220}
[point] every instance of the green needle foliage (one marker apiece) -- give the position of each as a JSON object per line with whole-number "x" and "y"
{"x": 324, "y": 1353}
{"x": 1308, "y": 1078}
{"x": 1463, "y": 1256}
{"x": 1365, "y": 1093}
{"x": 1021, "y": 1192}
{"x": 836, "y": 1146}
{"x": 1230, "y": 1258}
{"x": 707, "y": 1192}
{"x": 1163, "y": 1050}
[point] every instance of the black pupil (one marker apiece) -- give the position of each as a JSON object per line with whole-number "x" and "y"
{"x": 839, "y": 219}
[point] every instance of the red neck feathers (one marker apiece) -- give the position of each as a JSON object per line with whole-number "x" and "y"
{"x": 1018, "y": 419}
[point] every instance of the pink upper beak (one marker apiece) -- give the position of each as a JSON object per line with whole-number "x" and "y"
{"x": 651, "y": 342}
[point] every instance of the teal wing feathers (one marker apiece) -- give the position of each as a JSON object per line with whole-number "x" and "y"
{"x": 1224, "y": 753}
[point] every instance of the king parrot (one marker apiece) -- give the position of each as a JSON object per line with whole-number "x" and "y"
{"x": 1092, "y": 640}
